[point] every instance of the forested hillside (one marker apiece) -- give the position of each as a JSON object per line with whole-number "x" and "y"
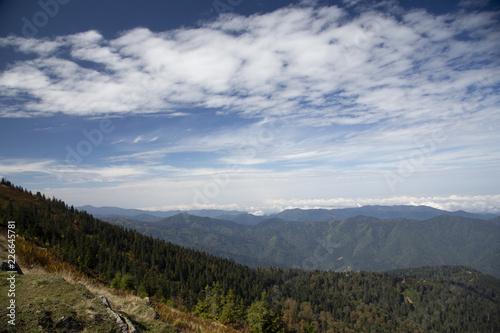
{"x": 356, "y": 243}
{"x": 262, "y": 300}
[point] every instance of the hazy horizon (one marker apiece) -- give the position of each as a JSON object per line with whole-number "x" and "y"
{"x": 270, "y": 212}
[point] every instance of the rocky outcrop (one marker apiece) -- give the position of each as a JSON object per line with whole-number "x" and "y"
{"x": 124, "y": 323}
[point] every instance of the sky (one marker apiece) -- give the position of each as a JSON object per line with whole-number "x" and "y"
{"x": 251, "y": 105}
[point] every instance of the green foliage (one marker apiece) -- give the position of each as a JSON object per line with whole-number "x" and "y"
{"x": 258, "y": 314}
{"x": 340, "y": 245}
{"x": 117, "y": 281}
{"x": 127, "y": 282}
{"x": 261, "y": 318}
{"x": 231, "y": 311}
{"x": 123, "y": 281}
{"x": 219, "y": 306}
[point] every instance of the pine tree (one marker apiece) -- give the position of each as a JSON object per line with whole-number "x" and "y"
{"x": 258, "y": 313}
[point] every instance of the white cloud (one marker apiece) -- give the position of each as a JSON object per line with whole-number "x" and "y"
{"x": 17, "y": 166}
{"x": 181, "y": 194}
{"x": 140, "y": 156}
{"x": 68, "y": 174}
{"x": 138, "y": 139}
{"x": 356, "y": 96}
{"x": 118, "y": 141}
{"x": 364, "y": 69}
{"x": 479, "y": 203}
{"x": 246, "y": 187}
{"x": 86, "y": 174}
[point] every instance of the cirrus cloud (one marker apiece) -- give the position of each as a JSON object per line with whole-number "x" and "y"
{"x": 316, "y": 65}
{"x": 409, "y": 93}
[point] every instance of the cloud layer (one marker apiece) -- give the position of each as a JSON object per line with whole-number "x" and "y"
{"x": 309, "y": 101}
{"x": 316, "y": 65}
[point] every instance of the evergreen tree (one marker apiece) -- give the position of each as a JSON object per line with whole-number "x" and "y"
{"x": 452, "y": 299}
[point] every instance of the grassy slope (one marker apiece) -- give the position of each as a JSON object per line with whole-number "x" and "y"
{"x": 43, "y": 298}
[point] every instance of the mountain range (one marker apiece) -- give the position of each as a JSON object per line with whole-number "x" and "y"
{"x": 299, "y": 215}
{"x": 354, "y": 243}
{"x": 54, "y": 240}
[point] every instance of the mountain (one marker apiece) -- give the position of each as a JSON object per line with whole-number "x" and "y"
{"x": 356, "y": 243}
{"x": 243, "y": 218}
{"x": 222, "y": 238}
{"x": 296, "y": 215}
{"x": 380, "y": 212}
{"x": 58, "y": 239}
{"x": 150, "y": 216}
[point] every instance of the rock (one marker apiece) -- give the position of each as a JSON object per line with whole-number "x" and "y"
{"x": 149, "y": 302}
{"x": 64, "y": 322}
{"x": 152, "y": 305}
{"x": 123, "y": 323}
{"x": 105, "y": 301}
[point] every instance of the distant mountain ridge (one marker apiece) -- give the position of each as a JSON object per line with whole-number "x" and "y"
{"x": 354, "y": 243}
{"x": 150, "y": 216}
{"x": 364, "y": 238}
{"x": 296, "y": 214}
{"x": 380, "y": 212}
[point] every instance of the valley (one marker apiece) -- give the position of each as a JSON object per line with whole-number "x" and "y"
{"x": 355, "y": 243}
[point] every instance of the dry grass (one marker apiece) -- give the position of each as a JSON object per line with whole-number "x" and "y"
{"x": 38, "y": 261}
{"x": 187, "y": 322}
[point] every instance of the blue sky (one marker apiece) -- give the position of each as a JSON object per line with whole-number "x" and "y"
{"x": 252, "y": 105}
